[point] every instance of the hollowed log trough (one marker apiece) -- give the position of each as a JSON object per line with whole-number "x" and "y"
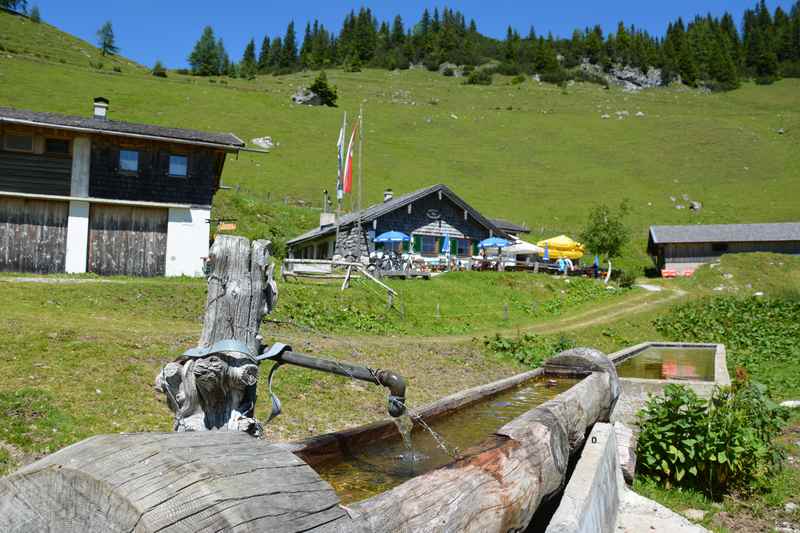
{"x": 230, "y": 481}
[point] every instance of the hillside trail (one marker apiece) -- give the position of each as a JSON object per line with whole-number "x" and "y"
{"x": 584, "y": 319}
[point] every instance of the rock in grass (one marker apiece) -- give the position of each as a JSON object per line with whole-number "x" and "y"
{"x": 695, "y": 515}
{"x": 790, "y": 507}
{"x": 791, "y": 404}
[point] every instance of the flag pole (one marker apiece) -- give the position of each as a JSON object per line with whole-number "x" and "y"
{"x": 360, "y": 155}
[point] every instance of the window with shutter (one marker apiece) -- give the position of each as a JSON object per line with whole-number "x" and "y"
{"x": 417, "y": 244}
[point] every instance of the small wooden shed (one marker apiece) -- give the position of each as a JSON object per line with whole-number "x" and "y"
{"x": 684, "y": 248}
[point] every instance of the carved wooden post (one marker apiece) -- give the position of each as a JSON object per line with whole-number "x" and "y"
{"x": 215, "y": 388}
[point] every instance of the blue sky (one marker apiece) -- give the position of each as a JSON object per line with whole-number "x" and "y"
{"x": 147, "y": 30}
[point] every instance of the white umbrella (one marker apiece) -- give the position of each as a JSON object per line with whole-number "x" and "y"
{"x": 521, "y": 247}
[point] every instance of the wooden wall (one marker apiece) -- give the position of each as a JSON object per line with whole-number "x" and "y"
{"x": 35, "y": 173}
{"x": 693, "y": 253}
{"x": 33, "y": 235}
{"x": 152, "y": 183}
{"x": 127, "y": 240}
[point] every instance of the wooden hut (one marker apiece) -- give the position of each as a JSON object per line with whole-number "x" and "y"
{"x": 680, "y": 249}
{"x": 90, "y": 194}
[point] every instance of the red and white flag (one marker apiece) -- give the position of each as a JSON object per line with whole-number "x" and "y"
{"x": 348, "y": 162}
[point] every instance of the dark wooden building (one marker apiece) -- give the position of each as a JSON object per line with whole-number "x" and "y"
{"x": 89, "y": 194}
{"x": 427, "y": 216}
{"x": 682, "y": 248}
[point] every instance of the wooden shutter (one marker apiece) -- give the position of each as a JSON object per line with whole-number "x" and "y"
{"x": 406, "y": 246}
{"x": 417, "y": 244}
{"x": 475, "y": 250}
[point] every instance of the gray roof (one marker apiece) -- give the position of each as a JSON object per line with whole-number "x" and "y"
{"x": 374, "y": 211}
{"x": 119, "y": 128}
{"x": 511, "y": 227}
{"x": 781, "y": 231}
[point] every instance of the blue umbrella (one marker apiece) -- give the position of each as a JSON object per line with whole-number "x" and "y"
{"x": 392, "y": 236}
{"x": 546, "y": 253}
{"x": 446, "y": 244}
{"x": 493, "y": 242}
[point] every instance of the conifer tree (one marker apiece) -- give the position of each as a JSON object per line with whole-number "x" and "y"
{"x": 205, "y": 59}
{"x": 289, "y": 59}
{"x": 275, "y": 54}
{"x": 263, "y": 55}
{"x": 249, "y": 66}
{"x": 36, "y": 16}
{"x": 105, "y": 36}
{"x": 306, "y": 48}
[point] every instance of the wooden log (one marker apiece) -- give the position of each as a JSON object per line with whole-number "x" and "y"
{"x": 499, "y": 488}
{"x": 169, "y": 482}
{"x": 499, "y": 485}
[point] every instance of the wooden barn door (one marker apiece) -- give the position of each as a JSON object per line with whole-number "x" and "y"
{"x": 33, "y": 235}
{"x": 127, "y": 240}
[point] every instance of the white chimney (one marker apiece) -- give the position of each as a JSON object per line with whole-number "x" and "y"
{"x": 327, "y": 219}
{"x": 387, "y": 195}
{"x": 101, "y": 108}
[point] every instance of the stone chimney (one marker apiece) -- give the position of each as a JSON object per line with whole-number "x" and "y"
{"x": 101, "y": 108}
{"x": 387, "y": 195}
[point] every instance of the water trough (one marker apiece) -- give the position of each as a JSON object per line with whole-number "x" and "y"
{"x": 648, "y": 367}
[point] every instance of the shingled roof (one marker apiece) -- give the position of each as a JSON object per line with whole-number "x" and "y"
{"x": 509, "y": 226}
{"x": 374, "y": 211}
{"x": 781, "y": 231}
{"x": 119, "y": 128}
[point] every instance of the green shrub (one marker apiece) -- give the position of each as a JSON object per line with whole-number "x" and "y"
{"x": 449, "y": 72}
{"x": 790, "y": 69}
{"x": 479, "y": 77}
{"x": 159, "y": 70}
{"x": 508, "y": 69}
{"x": 556, "y": 77}
{"x": 352, "y": 64}
{"x": 528, "y": 349}
{"x": 325, "y": 91}
{"x": 519, "y": 78}
{"x": 98, "y": 65}
{"x": 467, "y": 69}
{"x": 117, "y": 68}
{"x": 718, "y": 446}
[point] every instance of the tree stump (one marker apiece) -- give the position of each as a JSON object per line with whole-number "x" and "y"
{"x": 216, "y": 388}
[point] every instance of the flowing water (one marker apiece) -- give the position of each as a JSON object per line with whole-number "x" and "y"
{"x": 385, "y": 464}
{"x": 666, "y": 362}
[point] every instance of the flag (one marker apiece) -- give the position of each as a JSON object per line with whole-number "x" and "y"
{"x": 347, "y": 177}
{"x": 340, "y": 156}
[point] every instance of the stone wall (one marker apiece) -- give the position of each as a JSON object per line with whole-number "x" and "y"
{"x": 352, "y": 244}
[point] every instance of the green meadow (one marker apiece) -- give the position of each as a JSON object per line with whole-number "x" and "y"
{"x": 532, "y": 153}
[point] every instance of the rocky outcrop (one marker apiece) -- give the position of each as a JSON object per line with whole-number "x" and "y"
{"x": 629, "y": 78}
{"x": 306, "y": 97}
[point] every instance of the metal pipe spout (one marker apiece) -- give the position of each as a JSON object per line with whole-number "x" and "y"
{"x": 385, "y": 378}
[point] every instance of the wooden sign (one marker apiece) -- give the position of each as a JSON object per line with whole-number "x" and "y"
{"x": 227, "y": 226}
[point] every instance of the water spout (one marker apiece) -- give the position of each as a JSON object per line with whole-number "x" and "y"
{"x": 385, "y": 378}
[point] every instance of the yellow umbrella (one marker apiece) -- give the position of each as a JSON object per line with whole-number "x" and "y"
{"x": 562, "y": 246}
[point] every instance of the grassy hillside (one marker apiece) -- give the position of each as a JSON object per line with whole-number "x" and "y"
{"x": 43, "y": 43}
{"x": 530, "y": 153}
